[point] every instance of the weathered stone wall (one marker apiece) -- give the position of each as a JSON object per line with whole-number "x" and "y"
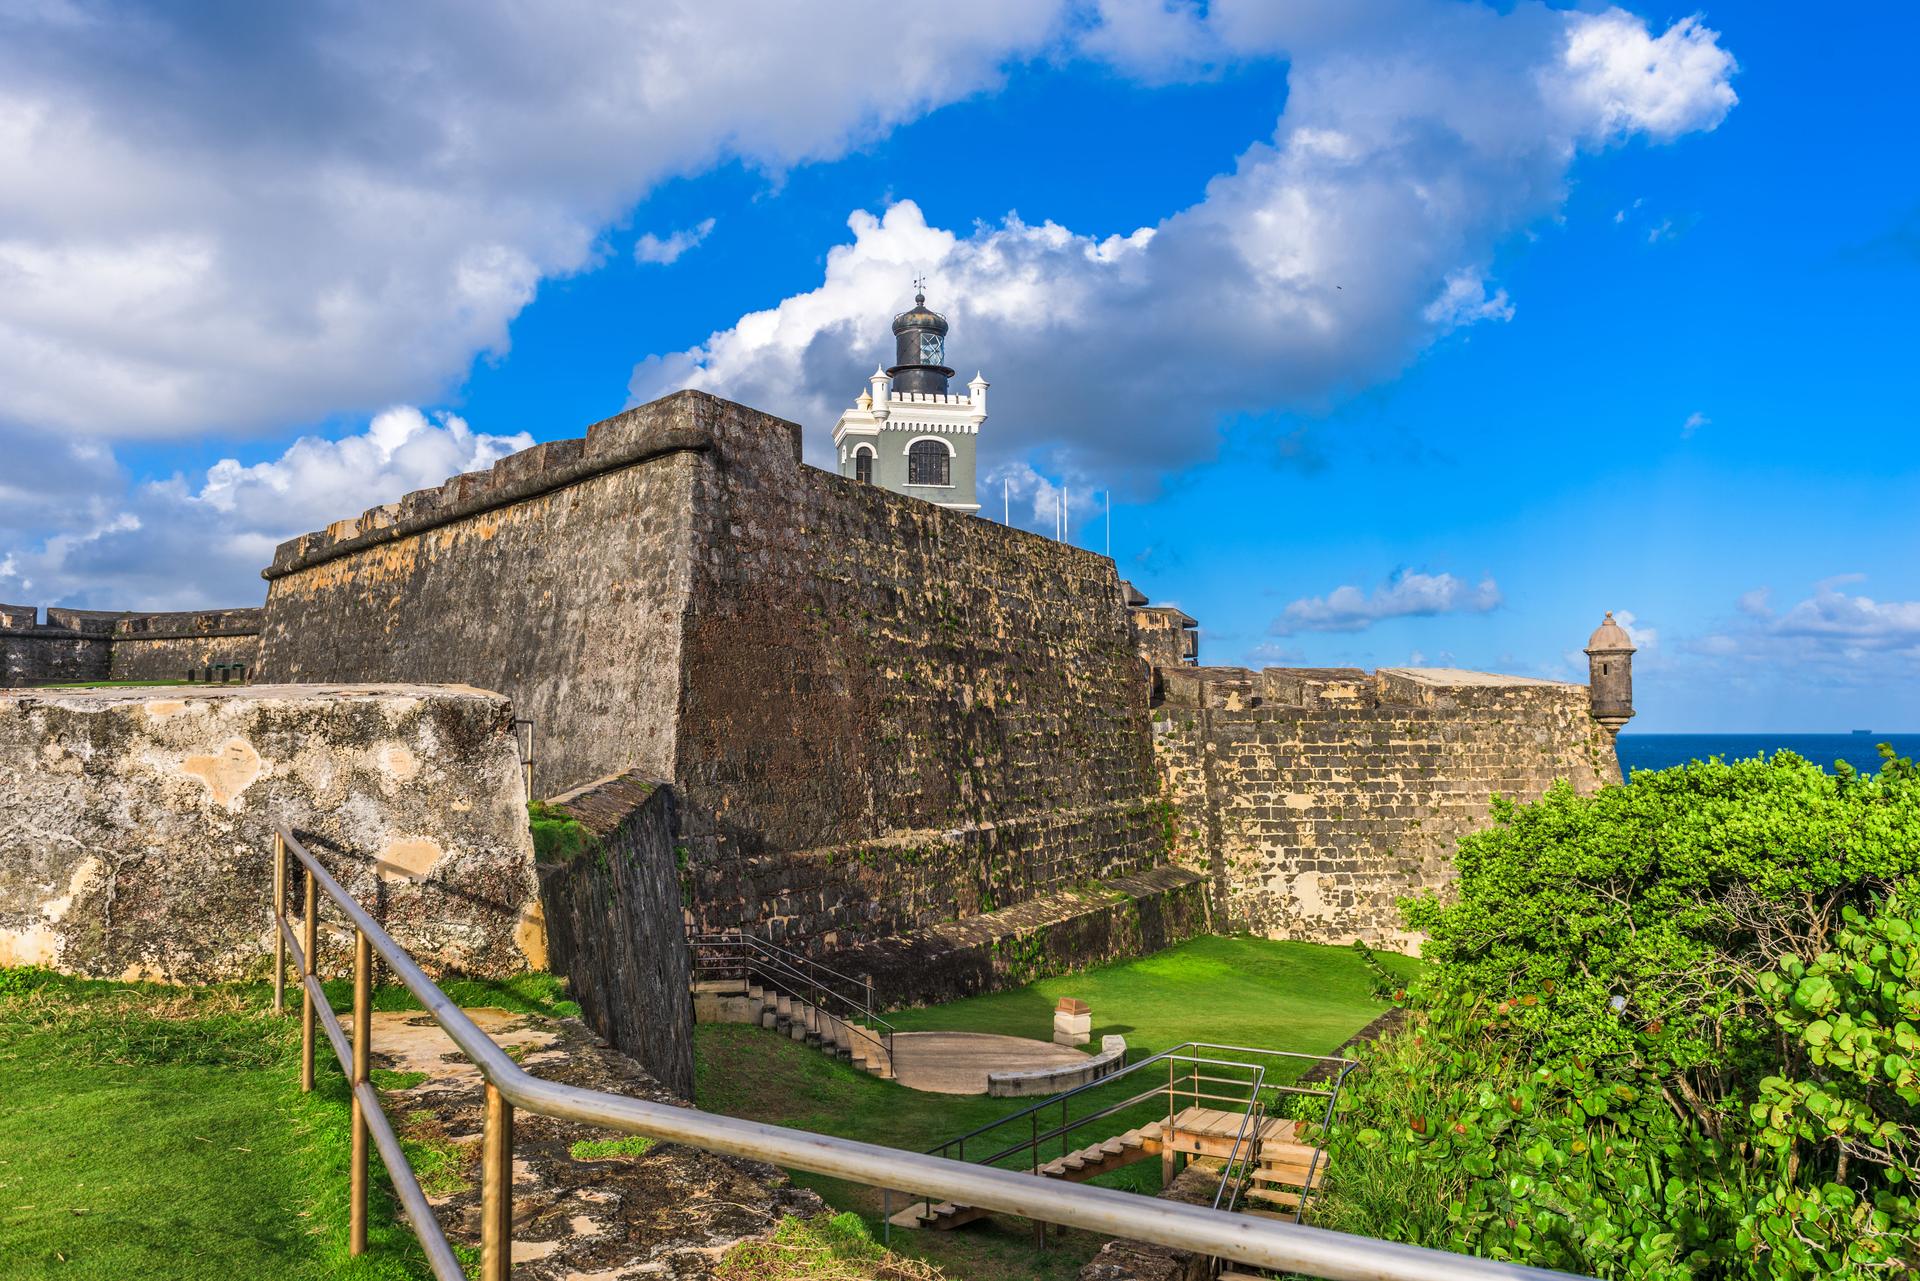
{"x": 1058, "y": 933}
{"x": 93, "y": 645}
{"x": 36, "y": 653}
{"x": 559, "y": 578}
{"x": 877, "y": 714}
{"x": 1315, "y": 798}
{"x": 896, "y": 714}
{"x": 136, "y": 825}
{"x": 150, "y": 647}
{"x": 614, "y": 925}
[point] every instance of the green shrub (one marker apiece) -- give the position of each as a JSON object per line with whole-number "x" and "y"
{"x": 1669, "y": 1031}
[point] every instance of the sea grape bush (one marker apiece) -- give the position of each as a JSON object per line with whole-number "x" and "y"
{"x": 1669, "y": 1031}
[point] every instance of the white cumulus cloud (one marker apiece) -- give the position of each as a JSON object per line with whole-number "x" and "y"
{"x": 667, "y": 249}
{"x": 182, "y": 544}
{"x": 236, "y": 222}
{"x": 1406, "y": 594}
{"x": 1408, "y": 152}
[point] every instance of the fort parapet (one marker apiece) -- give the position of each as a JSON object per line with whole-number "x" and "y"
{"x": 73, "y": 645}
{"x": 1315, "y": 798}
{"x": 877, "y": 715}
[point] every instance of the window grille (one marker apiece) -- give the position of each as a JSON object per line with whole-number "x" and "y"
{"x": 929, "y": 463}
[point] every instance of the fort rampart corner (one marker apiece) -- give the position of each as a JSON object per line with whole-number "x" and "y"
{"x": 952, "y": 752}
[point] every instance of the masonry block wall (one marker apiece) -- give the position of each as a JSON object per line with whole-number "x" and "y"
{"x": 559, "y": 578}
{"x": 158, "y": 647}
{"x": 897, "y": 714}
{"x": 99, "y": 645}
{"x": 613, "y": 923}
{"x": 877, "y": 714}
{"x": 1316, "y": 798}
{"x": 136, "y": 826}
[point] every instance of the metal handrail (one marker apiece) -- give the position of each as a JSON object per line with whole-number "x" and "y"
{"x": 1178, "y": 1052}
{"x": 1262, "y": 1243}
{"x": 1067, "y": 1127}
{"x": 1256, "y": 1115}
{"x": 786, "y": 960}
{"x": 741, "y": 936}
{"x": 785, "y": 964}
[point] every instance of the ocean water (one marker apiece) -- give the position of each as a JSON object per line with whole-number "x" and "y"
{"x": 1658, "y": 751}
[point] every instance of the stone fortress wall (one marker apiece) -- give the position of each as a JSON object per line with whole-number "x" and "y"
{"x": 136, "y": 826}
{"x": 1314, "y": 799}
{"x": 889, "y": 730}
{"x": 99, "y": 645}
{"x": 877, "y": 715}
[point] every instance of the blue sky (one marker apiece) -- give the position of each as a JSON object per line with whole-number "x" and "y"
{"x": 1449, "y": 326}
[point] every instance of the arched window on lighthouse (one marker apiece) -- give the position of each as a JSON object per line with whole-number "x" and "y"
{"x": 929, "y": 462}
{"x": 863, "y": 465}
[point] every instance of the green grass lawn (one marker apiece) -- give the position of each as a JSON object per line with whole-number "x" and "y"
{"x": 150, "y": 1131}
{"x": 1236, "y": 991}
{"x": 1232, "y": 991}
{"x": 161, "y": 1132}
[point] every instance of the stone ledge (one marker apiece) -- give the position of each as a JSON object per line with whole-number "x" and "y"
{"x": 673, "y": 424}
{"x": 136, "y": 825}
{"x": 1056, "y": 934}
{"x": 1044, "y": 1081}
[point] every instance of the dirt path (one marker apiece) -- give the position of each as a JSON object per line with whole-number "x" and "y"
{"x": 668, "y": 1211}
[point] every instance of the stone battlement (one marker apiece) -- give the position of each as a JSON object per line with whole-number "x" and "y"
{"x": 1317, "y": 798}
{"x": 667, "y": 426}
{"x": 1308, "y": 688}
{"x": 73, "y": 645}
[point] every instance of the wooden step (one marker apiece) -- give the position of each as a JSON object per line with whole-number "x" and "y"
{"x": 940, "y": 1217}
{"x": 1293, "y": 1174}
{"x": 1279, "y": 1196}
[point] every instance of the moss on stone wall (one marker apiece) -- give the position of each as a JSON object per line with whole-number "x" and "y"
{"x": 557, "y": 836}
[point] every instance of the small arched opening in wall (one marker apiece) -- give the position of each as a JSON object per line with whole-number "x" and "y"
{"x": 930, "y": 462}
{"x": 863, "y": 464}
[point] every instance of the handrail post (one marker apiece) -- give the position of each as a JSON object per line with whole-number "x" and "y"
{"x": 309, "y": 932}
{"x": 362, "y": 1055}
{"x": 279, "y": 915}
{"x": 496, "y": 1188}
{"x": 1033, "y": 1130}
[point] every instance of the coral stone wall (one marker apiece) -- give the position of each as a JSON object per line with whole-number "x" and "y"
{"x": 895, "y": 714}
{"x": 1317, "y": 798}
{"x": 558, "y": 579}
{"x": 89, "y": 645}
{"x": 136, "y": 825}
{"x": 149, "y": 647}
{"x": 614, "y": 925}
{"x": 69, "y": 646}
{"x": 877, "y": 714}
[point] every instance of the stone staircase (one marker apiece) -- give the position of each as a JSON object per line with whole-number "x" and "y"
{"x": 1075, "y": 1167}
{"x": 744, "y": 1001}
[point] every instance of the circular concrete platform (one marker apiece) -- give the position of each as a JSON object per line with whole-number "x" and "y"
{"x": 958, "y": 1062}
